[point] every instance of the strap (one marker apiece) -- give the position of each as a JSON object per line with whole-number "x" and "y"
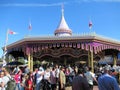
{"x": 10, "y": 78}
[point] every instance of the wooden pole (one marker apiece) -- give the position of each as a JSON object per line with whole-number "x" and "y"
{"x": 89, "y": 58}
{"x": 92, "y": 66}
{"x": 29, "y": 60}
{"x": 31, "y": 63}
{"x": 114, "y": 59}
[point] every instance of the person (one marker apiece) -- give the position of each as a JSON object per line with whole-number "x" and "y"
{"x": 3, "y": 80}
{"x": 41, "y": 68}
{"x": 113, "y": 73}
{"x": 62, "y": 79}
{"x": 90, "y": 76}
{"x": 80, "y": 82}
{"x": 57, "y": 71}
{"x": 53, "y": 79}
{"x": 27, "y": 70}
{"x": 16, "y": 70}
{"x": 38, "y": 78}
{"x": 29, "y": 82}
{"x": 67, "y": 72}
{"x": 11, "y": 83}
{"x": 70, "y": 68}
{"x": 17, "y": 79}
{"x": 23, "y": 79}
{"x": 107, "y": 82}
{"x": 46, "y": 79}
{"x": 76, "y": 69}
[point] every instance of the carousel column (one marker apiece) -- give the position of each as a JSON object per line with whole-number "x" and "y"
{"x": 114, "y": 59}
{"x": 31, "y": 63}
{"x": 91, "y": 61}
{"x": 29, "y": 60}
{"x": 88, "y": 58}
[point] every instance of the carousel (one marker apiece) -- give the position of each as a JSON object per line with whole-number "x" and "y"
{"x": 65, "y": 48}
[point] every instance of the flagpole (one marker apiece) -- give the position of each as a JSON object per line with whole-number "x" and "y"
{"x": 29, "y": 27}
{"x": 90, "y": 28}
{"x": 6, "y": 41}
{"x": 29, "y": 33}
{"x": 5, "y": 49}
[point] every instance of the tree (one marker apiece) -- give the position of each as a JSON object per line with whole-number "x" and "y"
{"x": 21, "y": 59}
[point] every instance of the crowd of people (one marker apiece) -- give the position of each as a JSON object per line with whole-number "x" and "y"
{"x": 57, "y": 78}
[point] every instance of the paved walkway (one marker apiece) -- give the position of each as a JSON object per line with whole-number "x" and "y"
{"x": 95, "y": 88}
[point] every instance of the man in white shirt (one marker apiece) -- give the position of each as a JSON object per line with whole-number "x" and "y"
{"x": 57, "y": 71}
{"x": 38, "y": 77}
{"x": 47, "y": 79}
{"x": 3, "y": 81}
{"x": 90, "y": 76}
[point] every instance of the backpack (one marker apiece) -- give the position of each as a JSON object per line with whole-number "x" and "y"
{"x": 11, "y": 84}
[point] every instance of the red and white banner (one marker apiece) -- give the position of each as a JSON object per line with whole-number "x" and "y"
{"x": 11, "y": 32}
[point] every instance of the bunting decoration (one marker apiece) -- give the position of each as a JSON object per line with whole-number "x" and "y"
{"x": 78, "y": 45}
{"x": 82, "y": 46}
{"x": 86, "y": 47}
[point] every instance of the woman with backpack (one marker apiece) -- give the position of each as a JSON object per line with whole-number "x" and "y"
{"x": 3, "y": 80}
{"x": 29, "y": 82}
{"x": 11, "y": 83}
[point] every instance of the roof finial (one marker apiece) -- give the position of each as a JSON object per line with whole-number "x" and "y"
{"x": 63, "y": 29}
{"x": 62, "y": 6}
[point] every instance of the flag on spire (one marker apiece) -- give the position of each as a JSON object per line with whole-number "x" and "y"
{"x": 11, "y": 32}
{"x": 30, "y": 26}
{"x": 62, "y": 6}
{"x": 90, "y": 24}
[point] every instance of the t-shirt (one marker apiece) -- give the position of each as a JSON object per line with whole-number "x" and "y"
{"x": 39, "y": 77}
{"x": 46, "y": 75}
{"x": 29, "y": 82}
{"x": 89, "y": 76}
{"x": 4, "y": 79}
{"x": 107, "y": 82}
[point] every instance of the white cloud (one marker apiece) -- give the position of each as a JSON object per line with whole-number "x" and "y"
{"x": 53, "y": 4}
{"x": 106, "y": 0}
{"x": 80, "y": 1}
{"x": 31, "y": 4}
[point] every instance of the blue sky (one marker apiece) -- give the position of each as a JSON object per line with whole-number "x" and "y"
{"x": 45, "y": 16}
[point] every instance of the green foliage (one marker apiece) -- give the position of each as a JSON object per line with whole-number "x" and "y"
{"x": 21, "y": 59}
{"x": 7, "y": 58}
{"x": 37, "y": 62}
